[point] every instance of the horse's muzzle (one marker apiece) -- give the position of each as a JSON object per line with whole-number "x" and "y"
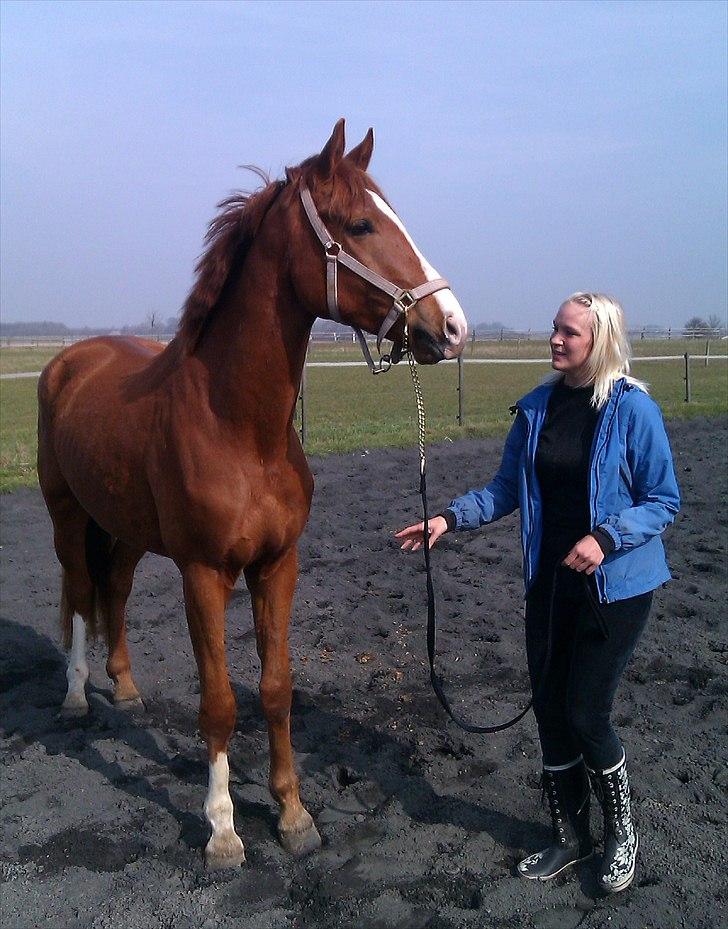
{"x": 426, "y": 348}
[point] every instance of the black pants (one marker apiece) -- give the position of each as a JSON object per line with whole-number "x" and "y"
{"x": 573, "y": 705}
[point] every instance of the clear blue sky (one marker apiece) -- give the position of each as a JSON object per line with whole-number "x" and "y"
{"x": 531, "y": 148}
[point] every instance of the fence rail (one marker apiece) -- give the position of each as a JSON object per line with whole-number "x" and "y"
{"x": 346, "y": 336}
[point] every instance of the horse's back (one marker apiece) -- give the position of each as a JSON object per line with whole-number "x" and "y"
{"x": 102, "y": 358}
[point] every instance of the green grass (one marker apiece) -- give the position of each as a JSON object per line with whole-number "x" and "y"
{"x": 348, "y": 409}
{"x": 18, "y": 439}
{"x": 24, "y": 358}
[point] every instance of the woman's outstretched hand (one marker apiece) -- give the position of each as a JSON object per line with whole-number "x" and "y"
{"x": 585, "y": 556}
{"x": 414, "y": 536}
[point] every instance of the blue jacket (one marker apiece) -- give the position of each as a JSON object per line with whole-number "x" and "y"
{"x": 633, "y": 493}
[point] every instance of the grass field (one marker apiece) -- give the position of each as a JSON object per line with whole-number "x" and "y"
{"x": 348, "y": 409}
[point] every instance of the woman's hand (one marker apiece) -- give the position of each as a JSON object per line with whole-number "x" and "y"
{"x": 585, "y": 556}
{"x": 414, "y": 536}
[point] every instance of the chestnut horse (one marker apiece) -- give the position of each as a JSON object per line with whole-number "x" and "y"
{"x": 189, "y": 451}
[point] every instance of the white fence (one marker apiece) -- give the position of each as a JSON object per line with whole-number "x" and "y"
{"x": 345, "y": 336}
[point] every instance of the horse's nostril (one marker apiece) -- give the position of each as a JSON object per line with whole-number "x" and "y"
{"x": 452, "y": 329}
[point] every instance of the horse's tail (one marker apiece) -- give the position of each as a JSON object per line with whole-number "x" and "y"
{"x": 98, "y": 545}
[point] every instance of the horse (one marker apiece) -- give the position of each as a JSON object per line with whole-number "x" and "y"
{"x": 190, "y": 451}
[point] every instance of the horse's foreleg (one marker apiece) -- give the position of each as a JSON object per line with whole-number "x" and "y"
{"x": 271, "y": 587}
{"x": 205, "y": 599}
{"x": 113, "y": 596}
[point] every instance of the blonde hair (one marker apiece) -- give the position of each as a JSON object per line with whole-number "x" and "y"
{"x": 608, "y": 360}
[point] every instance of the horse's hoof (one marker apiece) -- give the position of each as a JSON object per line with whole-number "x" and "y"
{"x": 74, "y": 709}
{"x": 134, "y": 706}
{"x": 224, "y": 851}
{"x": 301, "y": 843}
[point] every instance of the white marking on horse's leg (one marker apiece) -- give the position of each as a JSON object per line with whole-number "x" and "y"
{"x": 225, "y": 849}
{"x": 455, "y": 325}
{"x": 77, "y": 670}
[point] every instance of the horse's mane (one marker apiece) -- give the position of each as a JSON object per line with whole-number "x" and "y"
{"x": 228, "y": 240}
{"x": 231, "y": 233}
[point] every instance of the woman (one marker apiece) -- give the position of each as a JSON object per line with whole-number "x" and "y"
{"x": 588, "y": 462}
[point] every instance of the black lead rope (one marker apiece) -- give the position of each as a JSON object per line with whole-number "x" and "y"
{"x": 432, "y": 634}
{"x": 431, "y": 619}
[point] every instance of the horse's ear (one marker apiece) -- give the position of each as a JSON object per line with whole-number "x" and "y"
{"x": 361, "y": 155}
{"x": 332, "y": 152}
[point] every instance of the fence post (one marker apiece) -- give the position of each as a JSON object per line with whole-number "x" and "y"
{"x": 460, "y": 389}
{"x": 707, "y": 351}
{"x": 687, "y": 377}
{"x": 669, "y": 334}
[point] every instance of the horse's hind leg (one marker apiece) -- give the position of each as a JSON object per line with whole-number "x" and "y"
{"x": 272, "y": 587}
{"x": 97, "y": 579}
{"x": 206, "y": 596}
{"x": 78, "y": 596}
{"x": 114, "y": 591}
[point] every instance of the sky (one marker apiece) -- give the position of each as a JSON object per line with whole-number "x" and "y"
{"x": 531, "y": 148}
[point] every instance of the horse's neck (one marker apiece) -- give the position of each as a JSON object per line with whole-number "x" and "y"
{"x": 254, "y": 349}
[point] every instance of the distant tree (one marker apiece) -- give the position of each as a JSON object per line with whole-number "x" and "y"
{"x": 715, "y": 322}
{"x": 695, "y": 322}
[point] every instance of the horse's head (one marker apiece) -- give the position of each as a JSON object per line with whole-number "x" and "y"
{"x": 337, "y": 213}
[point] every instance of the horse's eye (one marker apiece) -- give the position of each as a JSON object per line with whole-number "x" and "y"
{"x": 360, "y": 227}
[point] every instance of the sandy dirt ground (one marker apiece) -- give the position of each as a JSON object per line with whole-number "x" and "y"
{"x": 422, "y": 824}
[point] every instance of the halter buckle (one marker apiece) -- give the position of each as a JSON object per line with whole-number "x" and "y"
{"x": 405, "y": 301}
{"x": 332, "y": 249}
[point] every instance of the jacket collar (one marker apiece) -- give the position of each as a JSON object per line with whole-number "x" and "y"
{"x": 537, "y": 400}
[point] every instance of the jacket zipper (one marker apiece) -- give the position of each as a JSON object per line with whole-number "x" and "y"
{"x": 593, "y": 497}
{"x": 529, "y": 489}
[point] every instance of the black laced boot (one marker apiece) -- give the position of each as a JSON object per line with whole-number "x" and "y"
{"x": 568, "y": 794}
{"x": 620, "y": 837}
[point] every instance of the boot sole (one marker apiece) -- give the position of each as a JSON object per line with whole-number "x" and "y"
{"x": 547, "y": 877}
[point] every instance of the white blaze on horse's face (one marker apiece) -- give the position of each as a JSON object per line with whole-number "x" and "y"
{"x": 455, "y": 326}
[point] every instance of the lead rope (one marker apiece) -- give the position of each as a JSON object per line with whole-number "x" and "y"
{"x": 431, "y": 623}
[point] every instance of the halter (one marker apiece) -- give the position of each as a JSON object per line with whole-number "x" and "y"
{"x": 403, "y": 300}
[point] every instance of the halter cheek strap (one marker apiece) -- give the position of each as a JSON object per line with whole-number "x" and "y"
{"x": 403, "y": 300}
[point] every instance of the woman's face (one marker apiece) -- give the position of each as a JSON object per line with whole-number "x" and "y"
{"x": 571, "y": 342}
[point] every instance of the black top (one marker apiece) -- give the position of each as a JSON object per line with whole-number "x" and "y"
{"x": 562, "y": 470}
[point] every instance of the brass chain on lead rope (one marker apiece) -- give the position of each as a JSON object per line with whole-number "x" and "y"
{"x": 431, "y": 618}
{"x": 418, "y": 395}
